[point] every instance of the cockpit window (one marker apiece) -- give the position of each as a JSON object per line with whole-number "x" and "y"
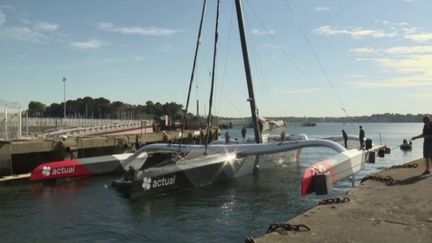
{"x": 158, "y": 159}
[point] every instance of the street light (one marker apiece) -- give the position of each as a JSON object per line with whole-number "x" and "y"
{"x": 64, "y": 97}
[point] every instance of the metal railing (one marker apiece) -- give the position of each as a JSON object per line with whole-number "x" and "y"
{"x": 15, "y": 126}
{"x": 10, "y": 120}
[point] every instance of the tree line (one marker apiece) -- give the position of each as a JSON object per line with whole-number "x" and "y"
{"x": 102, "y": 108}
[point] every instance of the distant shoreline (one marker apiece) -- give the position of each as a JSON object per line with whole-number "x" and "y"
{"x": 375, "y": 118}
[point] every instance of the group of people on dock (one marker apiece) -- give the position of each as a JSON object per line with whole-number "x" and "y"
{"x": 427, "y": 142}
{"x": 243, "y": 136}
{"x": 361, "y": 138}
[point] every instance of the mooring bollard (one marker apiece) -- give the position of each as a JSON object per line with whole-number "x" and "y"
{"x": 368, "y": 143}
{"x": 371, "y": 157}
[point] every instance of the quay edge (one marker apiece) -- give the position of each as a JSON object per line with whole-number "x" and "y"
{"x": 376, "y": 212}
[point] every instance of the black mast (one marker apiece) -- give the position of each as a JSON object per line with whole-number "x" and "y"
{"x": 251, "y": 99}
{"x": 193, "y": 71}
{"x": 213, "y": 74}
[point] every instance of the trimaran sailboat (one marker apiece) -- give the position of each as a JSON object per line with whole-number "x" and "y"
{"x": 163, "y": 168}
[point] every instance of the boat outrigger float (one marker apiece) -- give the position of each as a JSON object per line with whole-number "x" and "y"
{"x": 320, "y": 177}
{"x": 79, "y": 167}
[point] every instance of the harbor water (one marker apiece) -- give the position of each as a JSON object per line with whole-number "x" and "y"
{"x": 90, "y": 210}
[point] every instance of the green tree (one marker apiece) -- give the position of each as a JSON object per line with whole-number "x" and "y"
{"x": 36, "y": 109}
{"x": 54, "y": 110}
{"x": 102, "y": 108}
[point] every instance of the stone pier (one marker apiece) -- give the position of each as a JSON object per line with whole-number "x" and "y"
{"x": 377, "y": 212}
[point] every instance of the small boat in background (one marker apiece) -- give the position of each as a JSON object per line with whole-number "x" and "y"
{"x": 405, "y": 146}
{"x": 308, "y": 124}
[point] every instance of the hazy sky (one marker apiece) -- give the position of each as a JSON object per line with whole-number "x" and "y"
{"x": 308, "y": 57}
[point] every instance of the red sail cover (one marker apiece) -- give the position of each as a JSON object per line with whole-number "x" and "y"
{"x": 59, "y": 169}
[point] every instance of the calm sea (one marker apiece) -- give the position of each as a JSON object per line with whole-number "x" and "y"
{"x": 88, "y": 210}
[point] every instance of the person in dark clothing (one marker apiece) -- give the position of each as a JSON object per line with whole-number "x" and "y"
{"x": 165, "y": 137}
{"x": 243, "y": 134}
{"x": 130, "y": 174}
{"x": 137, "y": 142}
{"x": 361, "y": 137}
{"x": 345, "y": 138}
{"x": 201, "y": 136}
{"x": 282, "y": 136}
{"x": 227, "y": 138}
{"x": 427, "y": 143}
{"x": 260, "y": 125}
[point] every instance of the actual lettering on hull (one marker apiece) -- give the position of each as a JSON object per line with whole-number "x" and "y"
{"x": 48, "y": 171}
{"x": 149, "y": 183}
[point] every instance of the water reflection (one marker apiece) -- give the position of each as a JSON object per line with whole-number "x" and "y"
{"x": 247, "y": 199}
{"x": 62, "y": 188}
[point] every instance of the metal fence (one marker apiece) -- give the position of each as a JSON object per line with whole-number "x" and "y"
{"x": 58, "y": 127}
{"x": 14, "y": 124}
{"x": 10, "y": 120}
{"x": 69, "y": 122}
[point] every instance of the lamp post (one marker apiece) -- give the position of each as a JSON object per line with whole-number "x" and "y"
{"x": 64, "y": 97}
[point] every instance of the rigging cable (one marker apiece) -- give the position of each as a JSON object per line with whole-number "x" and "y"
{"x": 257, "y": 61}
{"x": 213, "y": 75}
{"x": 317, "y": 59}
{"x": 303, "y": 73}
{"x": 222, "y": 82}
{"x": 193, "y": 72}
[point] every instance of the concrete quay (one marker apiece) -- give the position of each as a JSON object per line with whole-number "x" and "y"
{"x": 376, "y": 212}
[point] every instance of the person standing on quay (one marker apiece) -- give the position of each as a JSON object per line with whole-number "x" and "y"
{"x": 243, "y": 134}
{"x": 227, "y": 138}
{"x": 201, "y": 136}
{"x": 427, "y": 143}
{"x": 282, "y": 136}
{"x": 361, "y": 137}
{"x": 164, "y": 137}
{"x": 137, "y": 142}
{"x": 345, "y": 138}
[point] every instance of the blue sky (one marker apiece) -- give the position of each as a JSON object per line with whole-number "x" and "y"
{"x": 309, "y": 58}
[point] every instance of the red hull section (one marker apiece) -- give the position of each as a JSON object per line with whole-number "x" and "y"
{"x": 59, "y": 169}
{"x": 320, "y": 167}
{"x": 306, "y": 186}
